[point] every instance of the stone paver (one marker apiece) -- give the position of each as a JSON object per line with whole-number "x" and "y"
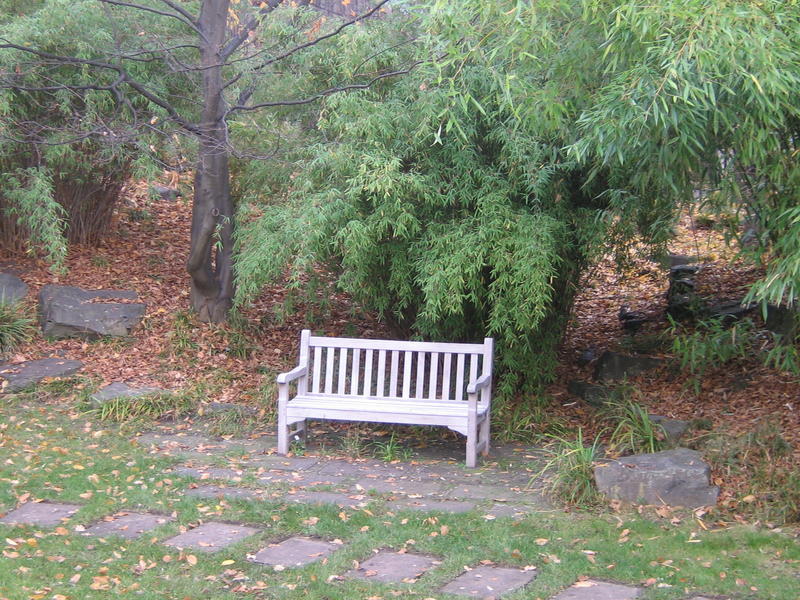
{"x": 592, "y": 589}
{"x": 400, "y": 486}
{"x": 448, "y": 506}
{"x": 209, "y": 472}
{"x": 216, "y": 491}
{"x": 392, "y": 567}
{"x": 314, "y": 497}
{"x": 501, "y": 509}
{"x": 486, "y": 492}
{"x": 294, "y": 552}
{"x": 18, "y": 376}
{"x": 488, "y": 581}
{"x": 283, "y": 463}
{"x": 128, "y": 525}
{"x": 43, "y": 514}
{"x": 211, "y": 536}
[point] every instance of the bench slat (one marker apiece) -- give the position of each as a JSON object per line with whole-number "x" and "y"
{"x": 368, "y": 374}
{"x": 354, "y": 373}
{"x": 329, "y": 370}
{"x": 407, "y": 360}
{"x": 448, "y": 359}
{"x": 394, "y": 373}
{"x": 381, "y": 373}
{"x": 419, "y": 392}
{"x": 402, "y": 346}
{"x": 460, "y": 378}
{"x": 317, "y": 369}
{"x": 432, "y": 381}
{"x": 357, "y": 406}
{"x": 342, "y": 370}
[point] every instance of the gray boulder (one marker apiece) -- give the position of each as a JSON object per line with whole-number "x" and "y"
{"x": 591, "y": 393}
{"x": 676, "y": 477}
{"x": 12, "y": 288}
{"x": 674, "y": 429}
{"x": 114, "y": 391}
{"x": 784, "y": 321}
{"x": 18, "y": 376}
{"x": 613, "y": 366}
{"x": 74, "y": 312}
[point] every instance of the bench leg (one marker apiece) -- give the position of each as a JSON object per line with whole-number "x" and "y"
{"x": 472, "y": 445}
{"x": 485, "y": 435}
{"x": 283, "y": 435}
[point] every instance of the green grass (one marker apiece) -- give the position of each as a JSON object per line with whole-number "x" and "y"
{"x": 16, "y": 326}
{"x": 50, "y": 451}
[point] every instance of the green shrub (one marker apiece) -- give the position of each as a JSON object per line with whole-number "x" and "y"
{"x": 569, "y": 470}
{"x": 633, "y": 431}
{"x": 16, "y": 327}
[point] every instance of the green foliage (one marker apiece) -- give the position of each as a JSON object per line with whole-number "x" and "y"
{"x": 391, "y": 450}
{"x": 633, "y": 431}
{"x": 16, "y": 326}
{"x": 569, "y": 470}
{"x": 712, "y": 344}
{"x": 449, "y": 232}
{"x": 151, "y": 406}
{"x": 763, "y": 458}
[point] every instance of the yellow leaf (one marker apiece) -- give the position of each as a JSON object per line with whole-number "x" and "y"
{"x": 191, "y": 559}
{"x": 225, "y": 563}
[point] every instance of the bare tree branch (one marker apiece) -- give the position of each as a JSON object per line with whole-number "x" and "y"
{"x": 182, "y": 17}
{"x": 136, "y": 85}
{"x": 326, "y": 92}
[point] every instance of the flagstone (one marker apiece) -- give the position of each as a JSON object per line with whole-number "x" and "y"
{"x": 501, "y": 509}
{"x": 294, "y": 552}
{"x": 211, "y": 536}
{"x": 43, "y": 514}
{"x": 127, "y": 524}
{"x": 449, "y": 506}
{"x": 206, "y": 472}
{"x": 400, "y": 486}
{"x": 488, "y": 581}
{"x": 593, "y": 589}
{"x": 216, "y": 491}
{"x": 283, "y": 463}
{"x": 393, "y": 567}
{"x": 318, "y": 497}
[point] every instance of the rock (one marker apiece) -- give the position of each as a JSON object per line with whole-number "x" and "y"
{"x": 784, "y": 321}
{"x": 631, "y": 320}
{"x": 673, "y": 428}
{"x": 683, "y": 271}
{"x": 676, "y": 477}
{"x": 679, "y": 260}
{"x": 166, "y": 192}
{"x": 613, "y": 365}
{"x": 116, "y": 390}
{"x": 12, "y": 288}
{"x": 729, "y": 312}
{"x": 74, "y": 312}
{"x": 19, "y": 376}
{"x": 682, "y": 300}
{"x": 586, "y": 356}
{"x": 591, "y": 393}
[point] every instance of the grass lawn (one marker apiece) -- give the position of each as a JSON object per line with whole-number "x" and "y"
{"x": 50, "y": 451}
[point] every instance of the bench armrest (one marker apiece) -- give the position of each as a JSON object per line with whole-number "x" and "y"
{"x": 295, "y": 373}
{"x": 479, "y": 383}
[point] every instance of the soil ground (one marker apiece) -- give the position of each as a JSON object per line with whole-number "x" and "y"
{"x": 146, "y": 250}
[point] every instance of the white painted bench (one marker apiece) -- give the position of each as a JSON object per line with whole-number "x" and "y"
{"x": 389, "y": 381}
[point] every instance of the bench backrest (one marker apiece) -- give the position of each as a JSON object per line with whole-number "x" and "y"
{"x": 392, "y": 368}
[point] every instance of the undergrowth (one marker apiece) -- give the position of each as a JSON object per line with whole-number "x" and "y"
{"x": 762, "y": 460}
{"x": 633, "y": 431}
{"x": 151, "y": 406}
{"x": 16, "y": 326}
{"x": 569, "y": 470}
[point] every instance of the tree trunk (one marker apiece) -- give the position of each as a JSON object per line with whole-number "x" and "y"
{"x": 210, "y": 262}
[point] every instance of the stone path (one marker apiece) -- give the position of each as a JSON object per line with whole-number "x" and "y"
{"x": 244, "y": 470}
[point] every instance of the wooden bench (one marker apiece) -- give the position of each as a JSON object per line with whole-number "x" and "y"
{"x": 389, "y": 381}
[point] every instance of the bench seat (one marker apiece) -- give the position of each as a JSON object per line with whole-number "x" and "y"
{"x": 402, "y": 411}
{"x": 389, "y": 381}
